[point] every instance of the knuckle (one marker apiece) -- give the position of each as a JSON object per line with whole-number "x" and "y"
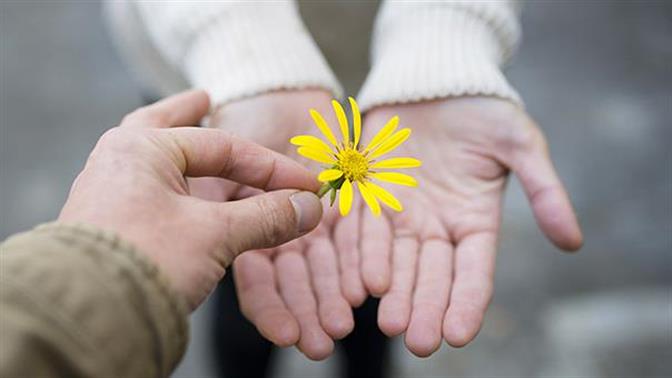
{"x": 524, "y": 141}
{"x": 525, "y": 137}
{"x": 115, "y": 138}
{"x": 516, "y": 131}
{"x": 131, "y": 118}
{"x": 147, "y": 117}
{"x": 117, "y": 143}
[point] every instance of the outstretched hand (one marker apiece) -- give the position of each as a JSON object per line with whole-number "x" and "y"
{"x": 434, "y": 262}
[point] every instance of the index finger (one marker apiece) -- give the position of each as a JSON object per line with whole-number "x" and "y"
{"x": 210, "y": 152}
{"x": 183, "y": 109}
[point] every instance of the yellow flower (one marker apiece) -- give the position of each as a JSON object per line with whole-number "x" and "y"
{"x": 348, "y": 163}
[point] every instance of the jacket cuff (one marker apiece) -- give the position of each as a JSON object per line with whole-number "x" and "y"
{"x": 250, "y": 50}
{"x": 426, "y": 53}
{"x": 109, "y": 301}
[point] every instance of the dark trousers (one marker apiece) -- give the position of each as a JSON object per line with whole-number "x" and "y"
{"x": 240, "y": 352}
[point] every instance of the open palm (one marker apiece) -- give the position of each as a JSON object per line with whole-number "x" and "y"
{"x": 434, "y": 262}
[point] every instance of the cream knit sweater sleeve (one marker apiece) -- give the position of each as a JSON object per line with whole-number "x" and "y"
{"x": 424, "y": 50}
{"x": 231, "y": 49}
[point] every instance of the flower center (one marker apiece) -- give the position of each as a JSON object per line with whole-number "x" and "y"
{"x": 353, "y": 164}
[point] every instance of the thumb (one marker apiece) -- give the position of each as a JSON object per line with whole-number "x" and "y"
{"x": 269, "y": 219}
{"x": 546, "y": 194}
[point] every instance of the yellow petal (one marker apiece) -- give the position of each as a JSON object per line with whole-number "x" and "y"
{"x": 402, "y": 162}
{"x": 395, "y": 178}
{"x": 391, "y": 143}
{"x": 310, "y": 141}
{"x": 316, "y": 155}
{"x": 345, "y": 198}
{"x": 322, "y": 125}
{"x": 369, "y": 198}
{"x": 385, "y": 132}
{"x": 342, "y": 121}
{"x": 329, "y": 175}
{"x": 385, "y": 197}
{"x": 356, "y": 120}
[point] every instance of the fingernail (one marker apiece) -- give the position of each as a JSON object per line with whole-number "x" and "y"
{"x": 308, "y": 210}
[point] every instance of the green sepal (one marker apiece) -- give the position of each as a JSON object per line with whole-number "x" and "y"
{"x": 332, "y": 197}
{"x": 323, "y": 190}
{"x": 336, "y": 184}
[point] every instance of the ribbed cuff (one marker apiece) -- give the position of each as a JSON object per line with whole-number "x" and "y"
{"x": 256, "y": 49}
{"x": 430, "y": 53}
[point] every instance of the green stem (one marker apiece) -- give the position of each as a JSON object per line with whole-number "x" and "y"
{"x": 324, "y": 189}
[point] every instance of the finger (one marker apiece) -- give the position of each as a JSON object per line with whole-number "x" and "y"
{"x": 183, "y": 109}
{"x": 212, "y": 188}
{"x": 208, "y": 152}
{"x": 260, "y": 301}
{"x": 394, "y": 310}
{"x": 546, "y": 194}
{"x": 295, "y": 289}
{"x": 334, "y": 310}
{"x": 376, "y": 253}
{"x": 472, "y": 288}
{"x": 267, "y": 220}
{"x": 346, "y": 238}
{"x": 247, "y": 192}
{"x": 430, "y": 300}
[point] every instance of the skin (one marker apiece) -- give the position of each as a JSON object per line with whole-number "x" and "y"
{"x": 433, "y": 264}
{"x": 135, "y": 184}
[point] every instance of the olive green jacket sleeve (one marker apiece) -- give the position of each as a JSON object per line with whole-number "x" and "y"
{"x": 78, "y": 302}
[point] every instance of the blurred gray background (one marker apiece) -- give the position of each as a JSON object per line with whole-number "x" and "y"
{"x": 597, "y": 75}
